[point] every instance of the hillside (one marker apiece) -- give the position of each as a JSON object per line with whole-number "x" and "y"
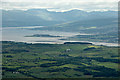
{"x": 22, "y": 60}
{"x": 43, "y": 17}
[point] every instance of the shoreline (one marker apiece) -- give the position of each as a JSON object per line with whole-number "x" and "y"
{"x": 14, "y": 32}
{"x": 70, "y": 42}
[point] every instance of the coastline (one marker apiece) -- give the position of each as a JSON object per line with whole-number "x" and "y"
{"x": 72, "y": 42}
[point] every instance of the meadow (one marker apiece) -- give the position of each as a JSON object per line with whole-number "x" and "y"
{"x": 25, "y": 60}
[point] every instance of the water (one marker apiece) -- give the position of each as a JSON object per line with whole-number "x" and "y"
{"x": 18, "y": 34}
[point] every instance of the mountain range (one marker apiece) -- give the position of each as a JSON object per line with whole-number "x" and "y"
{"x": 43, "y": 17}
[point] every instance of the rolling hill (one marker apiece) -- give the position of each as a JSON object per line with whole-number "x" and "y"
{"x": 43, "y": 17}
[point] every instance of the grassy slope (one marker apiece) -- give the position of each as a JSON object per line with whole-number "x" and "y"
{"x": 53, "y": 61}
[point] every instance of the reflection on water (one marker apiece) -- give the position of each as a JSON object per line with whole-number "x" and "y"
{"x": 17, "y": 34}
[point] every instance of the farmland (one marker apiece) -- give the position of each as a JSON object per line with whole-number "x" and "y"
{"x": 23, "y": 60}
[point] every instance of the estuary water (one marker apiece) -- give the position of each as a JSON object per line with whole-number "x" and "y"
{"x": 18, "y": 34}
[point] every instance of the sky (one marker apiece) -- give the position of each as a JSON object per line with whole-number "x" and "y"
{"x": 61, "y": 5}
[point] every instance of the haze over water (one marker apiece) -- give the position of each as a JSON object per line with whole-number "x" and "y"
{"x": 18, "y": 34}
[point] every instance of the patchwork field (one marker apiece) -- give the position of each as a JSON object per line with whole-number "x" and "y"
{"x": 22, "y": 60}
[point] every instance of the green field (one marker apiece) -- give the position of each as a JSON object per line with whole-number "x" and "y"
{"x": 58, "y": 60}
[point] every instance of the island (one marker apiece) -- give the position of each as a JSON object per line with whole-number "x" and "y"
{"x": 42, "y": 35}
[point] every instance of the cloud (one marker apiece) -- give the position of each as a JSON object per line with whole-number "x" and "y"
{"x": 61, "y": 5}
{"x": 60, "y": 0}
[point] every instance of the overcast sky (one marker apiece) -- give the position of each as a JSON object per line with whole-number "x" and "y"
{"x": 61, "y": 5}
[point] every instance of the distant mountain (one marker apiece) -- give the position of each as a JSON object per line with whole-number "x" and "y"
{"x": 43, "y": 17}
{"x": 87, "y": 26}
{"x": 22, "y": 18}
